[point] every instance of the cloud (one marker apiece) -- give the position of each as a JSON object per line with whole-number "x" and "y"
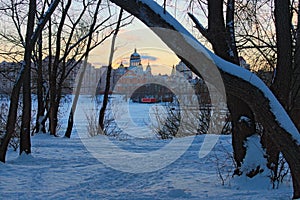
{"x": 150, "y": 58}
{"x": 144, "y": 57}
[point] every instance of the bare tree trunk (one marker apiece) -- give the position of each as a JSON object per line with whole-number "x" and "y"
{"x": 25, "y": 144}
{"x": 12, "y": 115}
{"x": 50, "y": 65}
{"x": 39, "y": 125}
{"x": 108, "y": 75}
{"x": 222, "y": 38}
{"x": 54, "y": 86}
{"x": 230, "y": 30}
{"x": 282, "y": 82}
{"x": 295, "y": 93}
{"x": 216, "y": 31}
{"x": 240, "y": 130}
{"x": 40, "y": 115}
{"x": 78, "y": 87}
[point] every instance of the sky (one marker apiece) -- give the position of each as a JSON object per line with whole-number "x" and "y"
{"x": 148, "y": 45}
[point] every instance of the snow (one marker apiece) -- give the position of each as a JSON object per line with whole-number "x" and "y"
{"x": 246, "y": 120}
{"x": 133, "y": 119}
{"x": 62, "y": 168}
{"x": 255, "y": 157}
{"x": 137, "y": 167}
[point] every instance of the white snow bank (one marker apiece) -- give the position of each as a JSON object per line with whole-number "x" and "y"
{"x": 254, "y": 157}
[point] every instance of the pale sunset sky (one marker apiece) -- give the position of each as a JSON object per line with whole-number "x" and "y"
{"x": 148, "y": 45}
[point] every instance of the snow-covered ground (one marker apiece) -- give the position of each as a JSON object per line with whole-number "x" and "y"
{"x": 138, "y": 167}
{"x": 61, "y": 168}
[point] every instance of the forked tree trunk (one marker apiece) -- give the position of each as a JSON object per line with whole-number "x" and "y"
{"x": 259, "y": 99}
{"x": 222, "y": 38}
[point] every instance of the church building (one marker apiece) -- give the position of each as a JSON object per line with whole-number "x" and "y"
{"x": 126, "y": 78}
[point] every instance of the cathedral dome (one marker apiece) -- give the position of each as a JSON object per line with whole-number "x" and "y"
{"x": 135, "y": 59}
{"x": 135, "y": 55}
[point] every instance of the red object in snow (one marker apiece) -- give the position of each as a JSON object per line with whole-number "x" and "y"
{"x": 148, "y": 100}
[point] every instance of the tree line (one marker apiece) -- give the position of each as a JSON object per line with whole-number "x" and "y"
{"x": 64, "y": 32}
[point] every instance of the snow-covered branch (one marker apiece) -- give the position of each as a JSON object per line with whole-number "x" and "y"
{"x": 43, "y": 20}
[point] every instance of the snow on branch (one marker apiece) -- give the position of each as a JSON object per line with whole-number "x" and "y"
{"x": 44, "y": 19}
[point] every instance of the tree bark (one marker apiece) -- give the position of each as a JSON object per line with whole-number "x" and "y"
{"x": 12, "y": 115}
{"x": 295, "y": 90}
{"x": 54, "y": 85}
{"x": 39, "y": 125}
{"x": 108, "y": 75}
{"x": 25, "y": 143}
{"x": 255, "y": 97}
{"x": 282, "y": 82}
{"x": 281, "y": 86}
{"x": 216, "y": 28}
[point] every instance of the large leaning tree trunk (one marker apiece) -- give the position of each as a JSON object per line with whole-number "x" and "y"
{"x": 238, "y": 82}
{"x": 221, "y": 35}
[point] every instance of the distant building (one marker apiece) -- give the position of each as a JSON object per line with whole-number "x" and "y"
{"x": 125, "y": 79}
{"x": 184, "y": 70}
{"x": 9, "y": 72}
{"x": 90, "y": 79}
{"x": 134, "y": 82}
